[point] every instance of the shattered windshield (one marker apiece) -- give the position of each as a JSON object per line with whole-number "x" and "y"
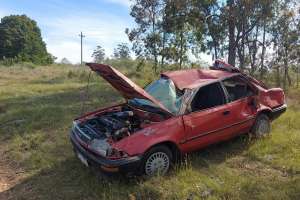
{"x": 165, "y": 92}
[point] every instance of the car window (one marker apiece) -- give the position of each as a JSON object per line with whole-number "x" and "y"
{"x": 237, "y": 88}
{"x": 165, "y": 91}
{"x": 207, "y": 97}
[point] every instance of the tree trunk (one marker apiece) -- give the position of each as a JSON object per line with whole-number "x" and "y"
{"x": 289, "y": 78}
{"x": 262, "y": 68}
{"x": 285, "y": 73}
{"x": 154, "y": 45}
{"x": 277, "y": 76}
{"x": 242, "y": 47}
{"x": 231, "y": 27}
{"x": 216, "y": 50}
{"x": 181, "y": 50}
{"x": 297, "y": 74}
{"x": 253, "y": 51}
{"x": 163, "y": 51}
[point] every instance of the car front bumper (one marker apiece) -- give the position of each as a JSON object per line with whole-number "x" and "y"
{"x": 130, "y": 165}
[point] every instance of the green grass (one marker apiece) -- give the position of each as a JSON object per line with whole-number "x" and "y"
{"x": 38, "y": 104}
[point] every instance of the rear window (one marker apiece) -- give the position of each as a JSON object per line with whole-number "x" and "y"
{"x": 237, "y": 88}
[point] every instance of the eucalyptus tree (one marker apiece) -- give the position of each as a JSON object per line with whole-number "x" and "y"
{"x": 122, "y": 51}
{"x": 98, "y": 54}
{"x": 147, "y": 35}
{"x": 286, "y": 37}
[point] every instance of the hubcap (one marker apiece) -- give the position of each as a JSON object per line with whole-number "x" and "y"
{"x": 263, "y": 128}
{"x": 157, "y": 163}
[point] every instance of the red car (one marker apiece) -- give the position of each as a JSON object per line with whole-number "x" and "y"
{"x": 183, "y": 111}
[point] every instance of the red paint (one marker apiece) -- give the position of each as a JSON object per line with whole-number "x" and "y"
{"x": 195, "y": 130}
{"x": 192, "y": 78}
{"x": 124, "y": 85}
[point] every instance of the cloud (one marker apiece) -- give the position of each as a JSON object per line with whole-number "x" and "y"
{"x": 62, "y": 36}
{"x": 68, "y": 49}
{"x": 126, "y": 3}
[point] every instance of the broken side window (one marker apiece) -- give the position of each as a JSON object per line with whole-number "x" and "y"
{"x": 208, "y": 96}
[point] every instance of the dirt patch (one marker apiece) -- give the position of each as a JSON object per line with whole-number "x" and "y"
{"x": 256, "y": 167}
{"x": 10, "y": 174}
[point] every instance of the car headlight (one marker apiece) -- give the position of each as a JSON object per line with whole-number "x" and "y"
{"x": 99, "y": 146}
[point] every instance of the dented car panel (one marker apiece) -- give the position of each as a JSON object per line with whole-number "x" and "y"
{"x": 167, "y": 131}
{"x": 201, "y": 107}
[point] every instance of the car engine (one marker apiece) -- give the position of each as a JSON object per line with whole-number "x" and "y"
{"x": 114, "y": 125}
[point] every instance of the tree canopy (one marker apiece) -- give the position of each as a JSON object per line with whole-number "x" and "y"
{"x": 122, "y": 51}
{"x": 99, "y": 54}
{"x": 21, "y": 40}
{"x": 255, "y": 35}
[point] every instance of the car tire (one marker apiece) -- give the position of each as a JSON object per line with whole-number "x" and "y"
{"x": 262, "y": 126}
{"x": 157, "y": 161}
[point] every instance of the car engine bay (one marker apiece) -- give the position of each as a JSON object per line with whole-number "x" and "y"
{"x": 98, "y": 131}
{"x": 115, "y": 125}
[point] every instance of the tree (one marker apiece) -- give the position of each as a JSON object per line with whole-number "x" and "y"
{"x": 99, "y": 54}
{"x": 122, "y": 51}
{"x": 177, "y": 25}
{"x": 286, "y": 39}
{"x": 242, "y": 18}
{"x": 209, "y": 26}
{"x": 147, "y": 37}
{"x": 20, "y": 39}
{"x": 166, "y": 30}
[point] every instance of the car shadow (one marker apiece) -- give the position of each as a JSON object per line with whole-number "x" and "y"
{"x": 70, "y": 179}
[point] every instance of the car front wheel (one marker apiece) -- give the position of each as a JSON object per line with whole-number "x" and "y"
{"x": 262, "y": 126}
{"x": 157, "y": 161}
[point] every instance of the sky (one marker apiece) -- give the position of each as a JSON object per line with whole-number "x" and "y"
{"x": 103, "y": 22}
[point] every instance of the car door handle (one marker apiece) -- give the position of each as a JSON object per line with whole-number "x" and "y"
{"x": 227, "y": 112}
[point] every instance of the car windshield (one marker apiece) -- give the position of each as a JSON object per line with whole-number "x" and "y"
{"x": 165, "y": 92}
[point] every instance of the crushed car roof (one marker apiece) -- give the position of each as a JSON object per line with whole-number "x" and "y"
{"x": 193, "y": 78}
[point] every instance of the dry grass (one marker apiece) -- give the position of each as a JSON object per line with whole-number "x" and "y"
{"x": 36, "y": 109}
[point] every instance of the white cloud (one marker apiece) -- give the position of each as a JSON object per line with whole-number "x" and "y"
{"x": 67, "y": 49}
{"x": 126, "y": 3}
{"x": 63, "y": 39}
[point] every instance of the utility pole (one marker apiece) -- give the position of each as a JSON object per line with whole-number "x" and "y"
{"x": 81, "y": 36}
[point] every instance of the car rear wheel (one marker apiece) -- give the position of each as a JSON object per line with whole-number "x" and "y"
{"x": 157, "y": 161}
{"x": 262, "y": 126}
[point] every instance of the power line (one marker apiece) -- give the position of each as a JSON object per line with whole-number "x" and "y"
{"x": 81, "y": 37}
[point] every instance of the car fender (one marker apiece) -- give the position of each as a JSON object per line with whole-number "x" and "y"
{"x": 138, "y": 143}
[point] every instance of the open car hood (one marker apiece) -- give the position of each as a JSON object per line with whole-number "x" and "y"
{"x": 124, "y": 85}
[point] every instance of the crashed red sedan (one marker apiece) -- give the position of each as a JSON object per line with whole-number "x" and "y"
{"x": 182, "y": 111}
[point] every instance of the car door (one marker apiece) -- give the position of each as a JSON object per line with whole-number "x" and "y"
{"x": 240, "y": 104}
{"x": 207, "y": 118}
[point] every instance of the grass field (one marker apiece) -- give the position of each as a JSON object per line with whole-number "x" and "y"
{"x": 37, "y": 106}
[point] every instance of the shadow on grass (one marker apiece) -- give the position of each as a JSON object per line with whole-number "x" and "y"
{"x": 220, "y": 152}
{"x": 50, "y": 111}
{"x": 69, "y": 179}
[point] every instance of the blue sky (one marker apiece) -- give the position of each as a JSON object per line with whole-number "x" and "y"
{"x": 102, "y": 21}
